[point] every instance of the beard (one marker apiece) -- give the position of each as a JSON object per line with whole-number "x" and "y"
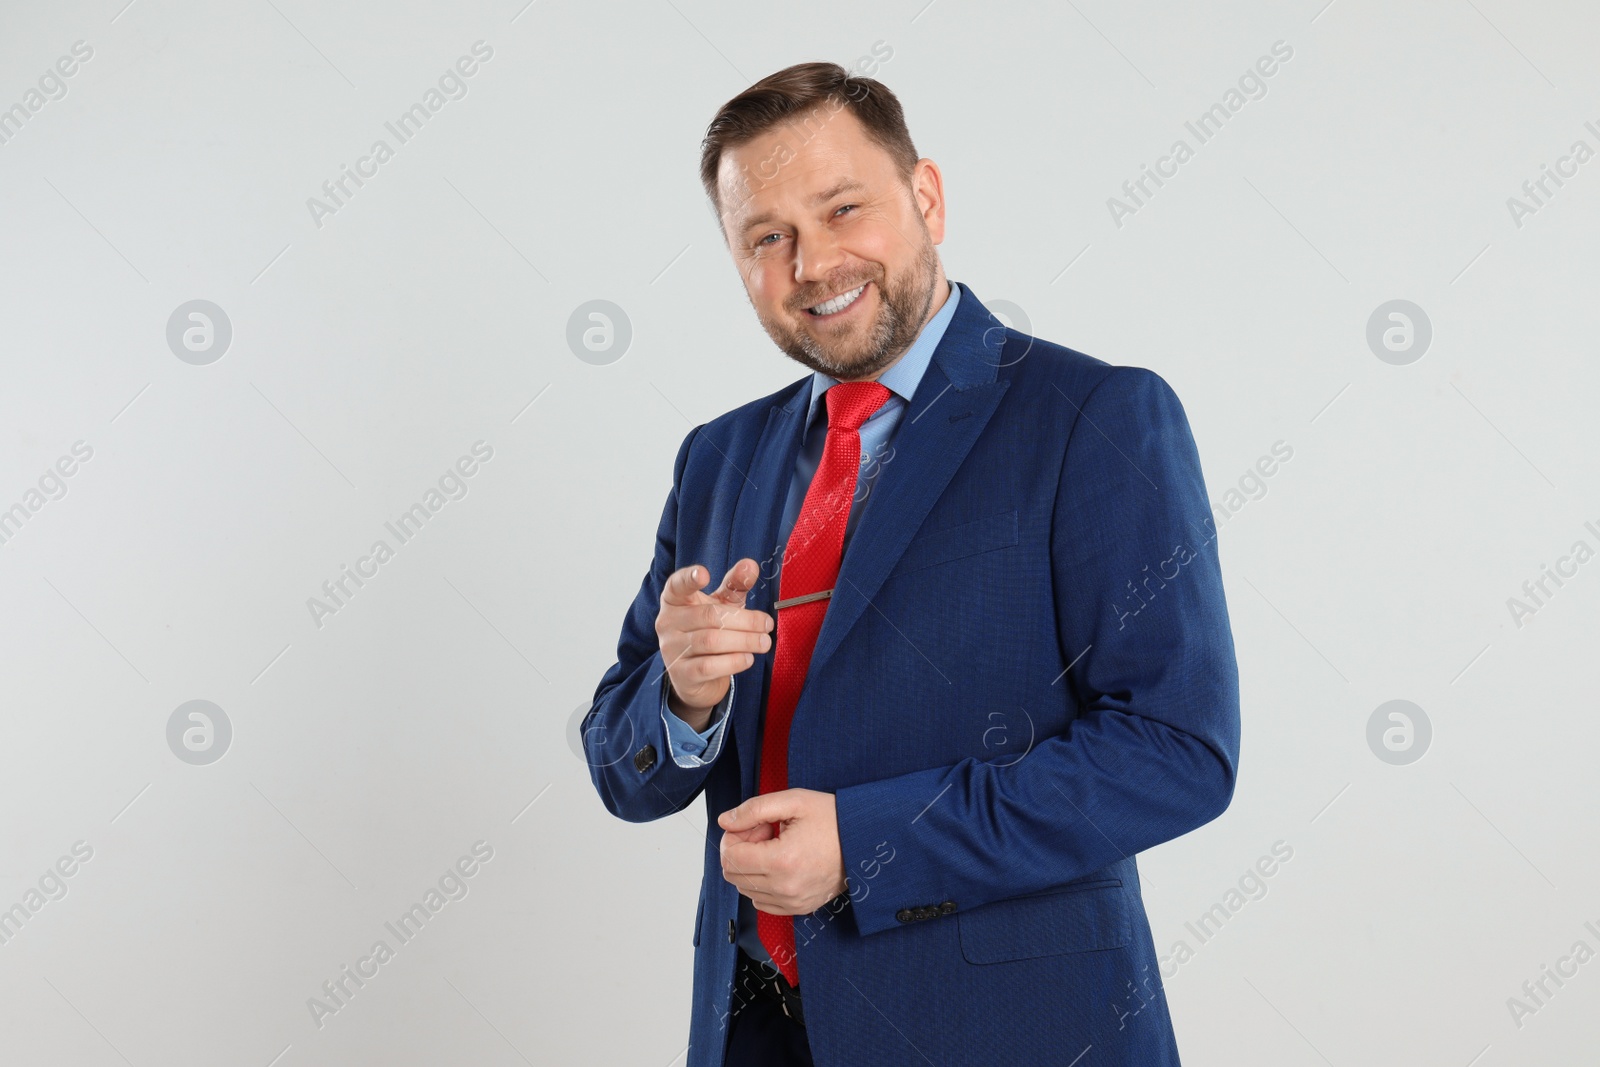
{"x": 865, "y": 350}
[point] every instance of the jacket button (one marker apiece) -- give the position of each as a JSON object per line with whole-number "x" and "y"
{"x": 644, "y": 759}
{"x": 947, "y": 907}
{"x": 731, "y": 932}
{"x": 904, "y": 915}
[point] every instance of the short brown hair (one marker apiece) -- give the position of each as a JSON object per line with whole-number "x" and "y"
{"x": 803, "y": 87}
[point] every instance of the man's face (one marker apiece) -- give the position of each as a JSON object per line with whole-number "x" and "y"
{"x": 837, "y": 253}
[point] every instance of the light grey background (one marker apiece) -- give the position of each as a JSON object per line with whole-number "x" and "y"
{"x": 436, "y": 708}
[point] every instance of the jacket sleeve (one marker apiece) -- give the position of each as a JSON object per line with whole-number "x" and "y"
{"x": 625, "y": 738}
{"x": 1144, "y": 632}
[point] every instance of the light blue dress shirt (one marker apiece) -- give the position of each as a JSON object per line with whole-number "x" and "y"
{"x": 690, "y": 748}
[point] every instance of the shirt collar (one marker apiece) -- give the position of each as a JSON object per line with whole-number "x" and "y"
{"x": 906, "y": 374}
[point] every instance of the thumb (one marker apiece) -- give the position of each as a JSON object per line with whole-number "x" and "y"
{"x": 767, "y": 808}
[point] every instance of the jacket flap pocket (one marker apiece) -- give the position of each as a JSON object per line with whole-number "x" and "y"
{"x": 957, "y": 542}
{"x": 1081, "y": 917}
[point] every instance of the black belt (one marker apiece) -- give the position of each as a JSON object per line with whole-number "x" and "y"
{"x": 763, "y": 981}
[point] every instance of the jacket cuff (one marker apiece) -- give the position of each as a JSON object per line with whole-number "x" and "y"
{"x": 889, "y": 860}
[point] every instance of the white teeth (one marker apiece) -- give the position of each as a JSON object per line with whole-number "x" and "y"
{"x": 840, "y": 302}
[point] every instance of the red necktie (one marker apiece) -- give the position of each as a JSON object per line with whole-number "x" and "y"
{"x": 810, "y": 566}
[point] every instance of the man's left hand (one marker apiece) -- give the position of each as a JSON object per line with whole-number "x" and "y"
{"x": 793, "y": 871}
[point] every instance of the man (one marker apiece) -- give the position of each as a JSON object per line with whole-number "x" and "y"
{"x": 966, "y": 650}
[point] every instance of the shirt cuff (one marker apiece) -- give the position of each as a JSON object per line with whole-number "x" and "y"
{"x": 689, "y": 747}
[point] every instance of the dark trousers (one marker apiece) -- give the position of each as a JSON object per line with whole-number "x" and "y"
{"x": 760, "y": 1032}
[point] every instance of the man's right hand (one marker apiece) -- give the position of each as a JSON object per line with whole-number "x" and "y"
{"x": 705, "y": 639}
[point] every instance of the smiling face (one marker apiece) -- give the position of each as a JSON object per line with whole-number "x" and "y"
{"x": 836, "y": 252}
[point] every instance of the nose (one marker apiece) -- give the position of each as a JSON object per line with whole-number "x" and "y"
{"x": 817, "y": 255}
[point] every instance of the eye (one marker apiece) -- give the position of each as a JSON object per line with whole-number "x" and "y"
{"x": 843, "y": 208}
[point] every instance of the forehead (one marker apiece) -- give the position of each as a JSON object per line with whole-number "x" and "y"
{"x": 797, "y": 164}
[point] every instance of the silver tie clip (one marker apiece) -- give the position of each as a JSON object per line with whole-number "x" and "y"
{"x": 806, "y": 599}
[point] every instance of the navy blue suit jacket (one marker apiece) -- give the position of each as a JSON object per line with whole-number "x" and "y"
{"x": 1025, "y": 677}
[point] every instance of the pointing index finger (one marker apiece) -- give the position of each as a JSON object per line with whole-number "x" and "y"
{"x": 739, "y": 580}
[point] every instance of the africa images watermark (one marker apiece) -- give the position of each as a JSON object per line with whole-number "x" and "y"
{"x": 1249, "y": 886}
{"x": 52, "y": 85}
{"x": 52, "y": 886}
{"x": 807, "y": 927}
{"x": 1252, "y": 485}
{"x": 452, "y": 85}
{"x": 1252, "y": 85}
{"x": 51, "y": 486}
{"x": 452, "y": 885}
{"x": 1538, "y": 592}
{"x": 452, "y": 485}
{"x": 1537, "y": 192}
{"x": 1536, "y": 992}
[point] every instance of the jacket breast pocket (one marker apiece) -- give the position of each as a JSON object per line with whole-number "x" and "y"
{"x": 973, "y": 538}
{"x": 1078, "y": 917}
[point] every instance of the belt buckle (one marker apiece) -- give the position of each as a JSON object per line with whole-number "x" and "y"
{"x": 785, "y": 993}
{"x": 792, "y": 995}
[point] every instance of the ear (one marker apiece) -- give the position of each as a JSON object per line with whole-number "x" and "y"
{"x": 927, "y": 187}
